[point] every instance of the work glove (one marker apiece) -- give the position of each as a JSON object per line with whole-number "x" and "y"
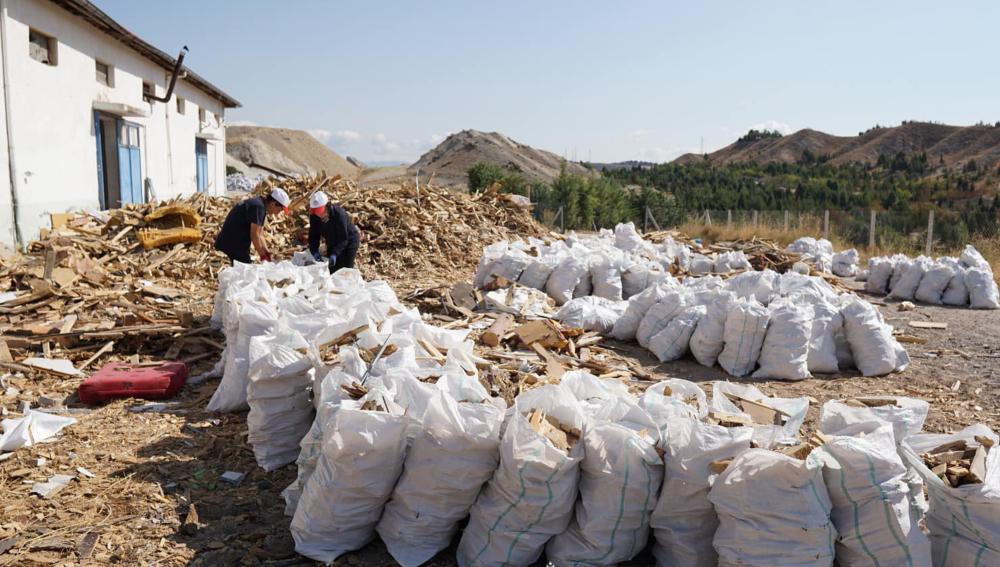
{"x": 317, "y": 257}
{"x": 265, "y": 257}
{"x": 333, "y": 263}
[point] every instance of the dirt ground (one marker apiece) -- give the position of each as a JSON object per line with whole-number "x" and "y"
{"x": 150, "y": 468}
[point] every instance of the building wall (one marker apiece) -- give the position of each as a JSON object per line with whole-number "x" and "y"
{"x": 52, "y": 119}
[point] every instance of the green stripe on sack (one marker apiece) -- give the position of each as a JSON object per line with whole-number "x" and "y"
{"x": 854, "y": 504}
{"x": 489, "y": 534}
{"x": 890, "y": 517}
{"x": 541, "y": 513}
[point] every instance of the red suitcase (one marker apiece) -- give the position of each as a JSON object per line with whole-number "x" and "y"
{"x": 123, "y": 380}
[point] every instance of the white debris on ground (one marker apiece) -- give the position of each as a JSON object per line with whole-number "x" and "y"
{"x": 963, "y": 281}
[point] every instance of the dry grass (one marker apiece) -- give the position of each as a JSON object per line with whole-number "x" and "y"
{"x": 722, "y": 233}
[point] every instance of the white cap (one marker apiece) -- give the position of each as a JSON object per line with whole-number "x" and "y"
{"x": 281, "y": 197}
{"x": 318, "y": 199}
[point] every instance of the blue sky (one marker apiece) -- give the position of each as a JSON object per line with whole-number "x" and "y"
{"x": 607, "y": 81}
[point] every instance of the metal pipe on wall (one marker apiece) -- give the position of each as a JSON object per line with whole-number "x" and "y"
{"x": 11, "y": 162}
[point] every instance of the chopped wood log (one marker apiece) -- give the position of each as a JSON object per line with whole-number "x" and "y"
{"x": 492, "y": 335}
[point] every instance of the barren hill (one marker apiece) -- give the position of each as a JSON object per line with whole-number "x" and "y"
{"x": 955, "y": 145}
{"x": 452, "y": 158}
{"x": 295, "y": 152}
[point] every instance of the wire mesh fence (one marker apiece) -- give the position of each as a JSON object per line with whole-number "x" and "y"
{"x": 935, "y": 233}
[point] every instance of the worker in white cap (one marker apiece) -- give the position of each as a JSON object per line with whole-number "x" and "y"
{"x": 331, "y": 223}
{"x": 244, "y": 224}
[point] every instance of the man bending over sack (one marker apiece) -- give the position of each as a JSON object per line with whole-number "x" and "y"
{"x": 244, "y": 226}
{"x": 332, "y": 224}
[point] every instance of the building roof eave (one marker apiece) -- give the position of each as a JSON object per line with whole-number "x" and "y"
{"x": 105, "y": 23}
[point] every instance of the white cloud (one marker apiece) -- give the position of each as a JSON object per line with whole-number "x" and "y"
{"x": 773, "y": 125}
{"x": 438, "y": 138}
{"x": 321, "y": 134}
{"x": 641, "y": 133}
{"x": 241, "y": 123}
{"x": 379, "y": 138}
{"x": 347, "y": 135}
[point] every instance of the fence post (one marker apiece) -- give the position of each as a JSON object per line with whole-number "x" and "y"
{"x": 755, "y": 219}
{"x": 826, "y": 224}
{"x": 645, "y": 220}
{"x": 930, "y": 233}
{"x": 786, "y": 220}
{"x": 871, "y": 230}
{"x": 729, "y": 218}
{"x": 562, "y": 221}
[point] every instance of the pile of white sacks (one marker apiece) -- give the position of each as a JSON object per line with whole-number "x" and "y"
{"x": 784, "y": 327}
{"x": 966, "y": 280}
{"x": 423, "y": 446}
{"x": 820, "y": 254}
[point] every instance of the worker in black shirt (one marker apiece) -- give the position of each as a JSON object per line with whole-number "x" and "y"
{"x": 331, "y": 223}
{"x": 244, "y": 226}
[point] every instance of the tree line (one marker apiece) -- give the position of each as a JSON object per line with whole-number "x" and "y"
{"x": 905, "y": 185}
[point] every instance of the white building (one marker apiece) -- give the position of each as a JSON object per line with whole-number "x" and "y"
{"x": 79, "y": 129}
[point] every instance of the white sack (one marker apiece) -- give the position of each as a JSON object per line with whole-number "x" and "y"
{"x": 773, "y": 510}
{"x": 879, "y": 273}
{"x": 700, "y": 265}
{"x": 278, "y": 395}
{"x": 627, "y": 325}
{"x": 867, "y": 483}
{"x": 707, "y": 340}
{"x": 744, "y": 333}
{"x": 827, "y": 322}
{"x": 756, "y": 285}
{"x": 672, "y": 341}
{"x": 451, "y": 458}
{"x": 628, "y": 238}
{"x": 684, "y": 521}
{"x": 591, "y": 313}
{"x": 674, "y": 301}
{"x": 872, "y": 344}
{"x": 343, "y": 499}
{"x": 763, "y": 435}
{"x": 530, "y": 497}
{"x": 907, "y": 284}
{"x": 845, "y": 263}
{"x": 606, "y": 277}
{"x": 673, "y": 397}
{"x": 983, "y": 293}
{"x": 536, "y": 273}
{"x": 956, "y": 293}
{"x": 971, "y": 258}
{"x": 934, "y": 282}
{"x": 564, "y": 279}
{"x": 964, "y": 522}
{"x": 255, "y": 318}
{"x": 906, "y": 415}
{"x": 620, "y": 478}
{"x": 784, "y": 354}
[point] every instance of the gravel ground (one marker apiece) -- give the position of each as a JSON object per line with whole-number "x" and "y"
{"x": 149, "y": 467}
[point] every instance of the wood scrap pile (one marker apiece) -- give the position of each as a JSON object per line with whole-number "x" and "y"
{"x": 413, "y": 237}
{"x": 143, "y": 276}
{"x": 959, "y": 463}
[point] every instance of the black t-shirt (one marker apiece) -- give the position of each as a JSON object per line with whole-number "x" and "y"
{"x": 234, "y": 237}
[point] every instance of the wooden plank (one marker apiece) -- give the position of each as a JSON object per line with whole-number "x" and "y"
{"x": 927, "y": 325}
{"x": 107, "y": 346}
{"x": 492, "y": 335}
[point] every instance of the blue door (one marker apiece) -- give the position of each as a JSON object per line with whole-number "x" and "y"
{"x": 130, "y": 163}
{"x": 201, "y": 163}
